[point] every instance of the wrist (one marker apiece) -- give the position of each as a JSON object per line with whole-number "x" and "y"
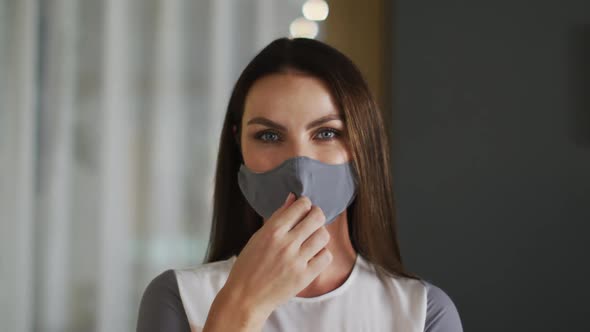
{"x": 245, "y": 314}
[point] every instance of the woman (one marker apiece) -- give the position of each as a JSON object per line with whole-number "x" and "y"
{"x": 303, "y": 235}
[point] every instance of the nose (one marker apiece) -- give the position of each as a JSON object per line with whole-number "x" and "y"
{"x": 298, "y": 148}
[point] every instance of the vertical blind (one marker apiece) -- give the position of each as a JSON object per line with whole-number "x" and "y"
{"x": 110, "y": 116}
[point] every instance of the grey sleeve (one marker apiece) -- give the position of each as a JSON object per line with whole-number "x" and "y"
{"x": 441, "y": 313}
{"x": 161, "y": 307}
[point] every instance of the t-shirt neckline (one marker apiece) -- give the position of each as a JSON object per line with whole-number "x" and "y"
{"x": 342, "y": 288}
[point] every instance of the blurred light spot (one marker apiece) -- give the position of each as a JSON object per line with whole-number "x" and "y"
{"x": 301, "y": 27}
{"x": 315, "y": 10}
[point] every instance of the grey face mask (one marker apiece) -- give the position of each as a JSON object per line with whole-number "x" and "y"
{"x": 331, "y": 187}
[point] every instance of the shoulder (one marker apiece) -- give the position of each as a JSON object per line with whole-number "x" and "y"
{"x": 408, "y": 290}
{"x": 208, "y": 269}
{"x": 164, "y": 283}
{"x": 441, "y": 312}
{"x": 438, "y": 311}
{"x": 161, "y": 308}
{"x": 165, "y": 298}
{"x": 212, "y": 274}
{"x": 163, "y": 289}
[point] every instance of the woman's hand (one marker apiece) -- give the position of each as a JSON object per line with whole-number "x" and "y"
{"x": 284, "y": 256}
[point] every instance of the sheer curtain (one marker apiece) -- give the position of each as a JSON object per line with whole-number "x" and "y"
{"x": 110, "y": 114}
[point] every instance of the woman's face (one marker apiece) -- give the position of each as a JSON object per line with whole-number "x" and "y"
{"x": 288, "y": 115}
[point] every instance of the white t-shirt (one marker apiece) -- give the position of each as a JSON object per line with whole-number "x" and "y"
{"x": 366, "y": 301}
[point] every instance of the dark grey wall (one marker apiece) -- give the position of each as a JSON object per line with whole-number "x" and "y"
{"x": 492, "y": 157}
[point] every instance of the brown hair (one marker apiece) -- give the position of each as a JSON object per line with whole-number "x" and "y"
{"x": 371, "y": 217}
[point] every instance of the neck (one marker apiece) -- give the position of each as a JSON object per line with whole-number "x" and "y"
{"x": 344, "y": 257}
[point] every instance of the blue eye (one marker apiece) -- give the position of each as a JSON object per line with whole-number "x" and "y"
{"x": 268, "y": 136}
{"x": 327, "y": 134}
{"x": 324, "y": 134}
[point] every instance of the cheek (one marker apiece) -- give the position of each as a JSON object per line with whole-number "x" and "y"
{"x": 337, "y": 154}
{"x": 259, "y": 159}
{"x": 337, "y": 157}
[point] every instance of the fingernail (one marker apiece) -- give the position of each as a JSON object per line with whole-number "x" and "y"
{"x": 288, "y": 197}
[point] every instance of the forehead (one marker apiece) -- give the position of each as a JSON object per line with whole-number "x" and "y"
{"x": 289, "y": 94}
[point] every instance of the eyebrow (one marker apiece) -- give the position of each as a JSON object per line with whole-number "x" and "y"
{"x": 266, "y": 122}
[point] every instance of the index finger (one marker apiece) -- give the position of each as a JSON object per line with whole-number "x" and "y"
{"x": 291, "y": 213}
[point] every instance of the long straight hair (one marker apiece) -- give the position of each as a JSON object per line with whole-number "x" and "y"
{"x": 371, "y": 217}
